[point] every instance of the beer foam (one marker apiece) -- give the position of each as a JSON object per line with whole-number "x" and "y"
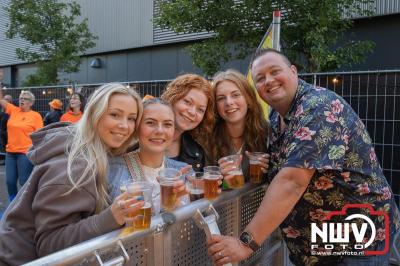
{"x": 236, "y": 172}
{"x": 146, "y": 205}
{"x": 208, "y": 176}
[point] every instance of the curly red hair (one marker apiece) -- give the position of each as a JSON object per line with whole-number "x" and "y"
{"x": 178, "y": 88}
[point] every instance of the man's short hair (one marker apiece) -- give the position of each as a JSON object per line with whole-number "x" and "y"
{"x": 261, "y": 52}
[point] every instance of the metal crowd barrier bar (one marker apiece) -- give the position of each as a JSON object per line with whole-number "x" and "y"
{"x": 174, "y": 238}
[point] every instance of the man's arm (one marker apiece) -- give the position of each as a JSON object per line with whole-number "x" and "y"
{"x": 282, "y": 194}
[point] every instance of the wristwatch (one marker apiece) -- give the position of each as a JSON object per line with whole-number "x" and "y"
{"x": 247, "y": 239}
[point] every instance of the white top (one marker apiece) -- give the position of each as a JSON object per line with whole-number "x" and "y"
{"x": 151, "y": 176}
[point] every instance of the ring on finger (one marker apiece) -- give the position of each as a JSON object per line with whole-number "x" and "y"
{"x": 220, "y": 254}
{"x": 121, "y": 204}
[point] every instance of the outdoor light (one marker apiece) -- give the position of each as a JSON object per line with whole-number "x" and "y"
{"x": 44, "y": 92}
{"x": 96, "y": 63}
{"x": 335, "y": 80}
{"x": 69, "y": 90}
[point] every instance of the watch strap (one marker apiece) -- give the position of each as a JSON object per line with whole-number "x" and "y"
{"x": 251, "y": 244}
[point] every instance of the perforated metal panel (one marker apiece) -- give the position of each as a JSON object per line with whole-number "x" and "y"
{"x": 249, "y": 205}
{"x": 140, "y": 251}
{"x": 185, "y": 245}
{"x": 179, "y": 244}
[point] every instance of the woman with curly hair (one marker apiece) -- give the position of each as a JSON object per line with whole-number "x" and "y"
{"x": 192, "y": 102}
{"x": 240, "y": 123}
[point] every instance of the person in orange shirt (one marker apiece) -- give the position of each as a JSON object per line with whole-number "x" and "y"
{"x": 22, "y": 122}
{"x": 75, "y": 109}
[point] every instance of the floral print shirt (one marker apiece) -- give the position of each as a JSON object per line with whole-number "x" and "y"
{"x": 324, "y": 133}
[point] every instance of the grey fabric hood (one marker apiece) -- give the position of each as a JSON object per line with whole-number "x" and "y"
{"x": 49, "y": 141}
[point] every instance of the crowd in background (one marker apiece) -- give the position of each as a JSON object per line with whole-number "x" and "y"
{"x": 18, "y": 121}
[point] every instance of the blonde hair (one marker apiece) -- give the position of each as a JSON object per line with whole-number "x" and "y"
{"x": 87, "y": 147}
{"x": 29, "y": 94}
{"x": 256, "y": 127}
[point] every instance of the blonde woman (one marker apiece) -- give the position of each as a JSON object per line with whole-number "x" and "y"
{"x": 23, "y": 121}
{"x": 155, "y": 134}
{"x": 66, "y": 199}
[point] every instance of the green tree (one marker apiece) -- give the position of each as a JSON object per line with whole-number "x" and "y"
{"x": 52, "y": 27}
{"x": 311, "y": 30}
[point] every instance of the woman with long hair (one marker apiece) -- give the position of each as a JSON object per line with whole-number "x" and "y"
{"x": 192, "y": 101}
{"x": 66, "y": 200}
{"x": 75, "y": 108}
{"x": 240, "y": 124}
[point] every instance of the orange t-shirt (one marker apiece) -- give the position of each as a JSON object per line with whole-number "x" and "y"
{"x": 20, "y": 125}
{"x": 71, "y": 117}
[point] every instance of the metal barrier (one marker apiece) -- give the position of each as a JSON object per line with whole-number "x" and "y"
{"x": 174, "y": 238}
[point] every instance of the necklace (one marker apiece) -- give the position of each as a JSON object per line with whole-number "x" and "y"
{"x": 237, "y": 145}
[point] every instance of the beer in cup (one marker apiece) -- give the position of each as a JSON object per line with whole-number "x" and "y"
{"x": 196, "y": 185}
{"x": 142, "y": 218}
{"x": 212, "y": 175}
{"x": 237, "y": 179}
{"x": 168, "y": 176}
{"x": 256, "y": 174}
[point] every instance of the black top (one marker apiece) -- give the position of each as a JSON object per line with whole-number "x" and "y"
{"x": 52, "y": 117}
{"x": 191, "y": 153}
{"x": 3, "y": 130}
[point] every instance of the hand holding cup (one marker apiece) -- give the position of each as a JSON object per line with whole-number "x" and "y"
{"x": 124, "y": 206}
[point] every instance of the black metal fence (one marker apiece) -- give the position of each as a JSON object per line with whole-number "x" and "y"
{"x": 375, "y": 96}
{"x": 46, "y": 94}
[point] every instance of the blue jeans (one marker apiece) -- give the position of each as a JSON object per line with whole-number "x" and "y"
{"x": 18, "y": 167}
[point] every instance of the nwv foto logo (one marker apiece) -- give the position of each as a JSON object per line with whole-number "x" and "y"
{"x": 338, "y": 234}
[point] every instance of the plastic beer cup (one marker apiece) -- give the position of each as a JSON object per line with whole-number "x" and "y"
{"x": 142, "y": 218}
{"x": 256, "y": 174}
{"x": 212, "y": 175}
{"x": 168, "y": 176}
{"x": 237, "y": 181}
{"x": 196, "y": 185}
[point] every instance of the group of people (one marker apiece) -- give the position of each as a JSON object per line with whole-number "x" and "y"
{"x": 19, "y": 123}
{"x": 73, "y": 113}
{"x": 320, "y": 158}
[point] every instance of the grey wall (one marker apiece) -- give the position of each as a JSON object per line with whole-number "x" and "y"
{"x": 153, "y": 63}
{"x": 5, "y": 76}
{"x": 385, "y": 32}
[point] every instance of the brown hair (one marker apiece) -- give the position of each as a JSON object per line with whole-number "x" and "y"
{"x": 81, "y": 99}
{"x": 178, "y": 88}
{"x": 256, "y": 127}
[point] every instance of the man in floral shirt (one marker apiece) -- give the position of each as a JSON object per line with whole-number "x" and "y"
{"x": 321, "y": 159}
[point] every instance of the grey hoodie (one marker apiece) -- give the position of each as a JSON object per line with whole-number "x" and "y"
{"x": 41, "y": 219}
